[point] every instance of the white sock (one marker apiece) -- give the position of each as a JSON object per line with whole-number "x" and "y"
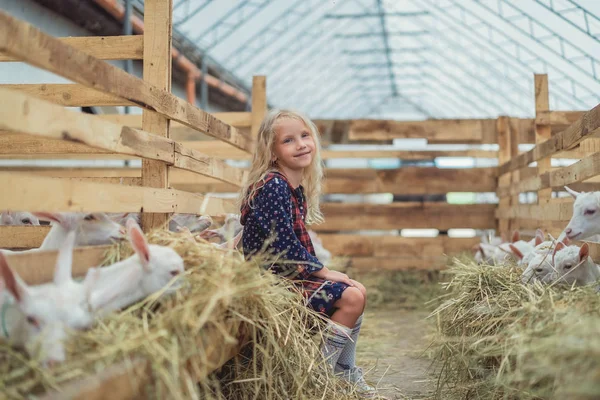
{"x": 347, "y": 358}
{"x": 336, "y": 337}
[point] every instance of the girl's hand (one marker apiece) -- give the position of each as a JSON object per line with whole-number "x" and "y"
{"x": 336, "y": 276}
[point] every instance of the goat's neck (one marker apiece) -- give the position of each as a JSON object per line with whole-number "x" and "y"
{"x": 116, "y": 274}
{"x": 55, "y": 238}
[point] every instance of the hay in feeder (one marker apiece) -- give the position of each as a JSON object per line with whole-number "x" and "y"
{"x": 225, "y": 297}
{"x": 498, "y": 338}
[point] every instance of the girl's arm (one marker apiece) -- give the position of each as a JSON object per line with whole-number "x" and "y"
{"x": 335, "y": 276}
{"x": 271, "y": 210}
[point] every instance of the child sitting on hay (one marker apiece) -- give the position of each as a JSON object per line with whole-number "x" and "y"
{"x": 281, "y": 193}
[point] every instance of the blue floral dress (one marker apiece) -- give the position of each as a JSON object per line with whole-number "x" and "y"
{"x": 274, "y": 219}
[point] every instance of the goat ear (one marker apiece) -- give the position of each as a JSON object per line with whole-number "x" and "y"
{"x": 209, "y": 233}
{"x": 482, "y": 251}
{"x": 584, "y": 252}
{"x": 566, "y": 240}
{"x": 559, "y": 246}
{"x": 515, "y": 236}
{"x": 539, "y": 237}
{"x": 64, "y": 261}
{"x": 138, "y": 242}
{"x": 572, "y": 192}
{"x": 48, "y": 216}
{"x": 516, "y": 251}
{"x": 12, "y": 282}
{"x": 503, "y": 237}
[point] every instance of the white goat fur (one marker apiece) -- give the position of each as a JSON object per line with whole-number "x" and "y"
{"x": 574, "y": 266}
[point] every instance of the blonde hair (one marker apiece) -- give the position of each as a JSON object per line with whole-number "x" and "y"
{"x": 262, "y": 165}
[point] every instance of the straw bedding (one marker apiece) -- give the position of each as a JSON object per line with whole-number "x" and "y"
{"x": 498, "y": 338}
{"x": 224, "y": 297}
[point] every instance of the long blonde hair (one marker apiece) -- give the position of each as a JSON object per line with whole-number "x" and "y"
{"x": 262, "y": 165}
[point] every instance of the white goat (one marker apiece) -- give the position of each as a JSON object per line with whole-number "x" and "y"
{"x": 585, "y": 221}
{"x": 193, "y": 222}
{"x": 37, "y": 317}
{"x": 574, "y": 266}
{"x": 18, "y": 218}
{"x": 539, "y": 268}
{"x": 230, "y": 229}
{"x": 91, "y": 228}
{"x": 149, "y": 270}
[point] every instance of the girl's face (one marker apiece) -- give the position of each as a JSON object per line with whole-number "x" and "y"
{"x": 294, "y": 146}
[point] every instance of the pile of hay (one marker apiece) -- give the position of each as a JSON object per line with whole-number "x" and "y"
{"x": 498, "y": 338}
{"x": 225, "y": 297}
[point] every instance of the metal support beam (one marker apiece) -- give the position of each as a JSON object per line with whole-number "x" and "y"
{"x": 416, "y": 64}
{"x": 512, "y": 60}
{"x": 587, "y": 17}
{"x": 192, "y": 14}
{"x": 386, "y": 46}
{"x": 377, "y": 15}
{"x": 229, "y": 23}
{"x": 408, "y": 50}
{"x": 376, "y": 34}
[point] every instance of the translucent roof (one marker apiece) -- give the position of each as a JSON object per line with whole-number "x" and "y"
{"x": 404, "y": 59}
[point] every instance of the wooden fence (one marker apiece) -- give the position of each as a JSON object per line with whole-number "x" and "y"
{"x": 552, "y": 214}
{"x": 34, "y": 123}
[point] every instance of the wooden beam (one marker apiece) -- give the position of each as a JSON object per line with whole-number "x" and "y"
{"x": 237, "y": 119}
{"x": 69, "y": 94}
{"x": 542, "y": 132}
{"x": 353, "y": 217}
{"x": 35, "y": 193}
{"x": 259, "y": 103}
{"x": 543, "y": 212}
{"x": 23, "y": 41}
{"x": 22, "y": 237}
{"x": 546, "y": 117}
{"x": 413, "y": 180}
{"x": 37, "y": 267}
{"x": 585, "y": 169}
{"x": 102, "y": 47}
{"x": 435, "y": 131}
{"x": 56, "y": 122}
{"x": 504, "y": 142}
{"x": 585, "y": 127}
{"x": 158, "y": 20}
{"x": 21, "y": 146}
{"x": 378, "y": 264}
{"x": 394, "y": 246}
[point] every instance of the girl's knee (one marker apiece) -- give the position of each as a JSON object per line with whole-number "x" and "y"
{"x": 353, "y": 298}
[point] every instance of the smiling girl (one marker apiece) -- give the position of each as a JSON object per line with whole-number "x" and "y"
{"x": 281, "y": 195}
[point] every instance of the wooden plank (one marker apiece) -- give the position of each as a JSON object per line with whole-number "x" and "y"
{"x": 36, "y": 193}
{"x": 20, "y": 146}
{"x": 259, "y": 103}
{"x": 377, "y": 264}
{"x": 435, "y": 131}
{"x": 585, "y": 169}
{"x": 352, "y": 217}
{"x": 505, "y": 146}
{"x": 129, "y": 47}
{"x": 585, "y": 127}
{"x": 158, "y": 20}
{"x": 26, "y": 114}
{"x": 237, "y": 119}
{"x": 412, "y": 180}
{"x": 515, "y": 176}
{"x": 69, "y": 94}
{"x": 391, "y": 246}
{"x": 546, "y": 117}
{"x": 55, "y": 122}
{"x": 37, "y": 267}
{"x": 22, "y": 40}
{"x": 22, "y": 237}
{"x": 543, "y": 212}
{"x": 542, "y": 132}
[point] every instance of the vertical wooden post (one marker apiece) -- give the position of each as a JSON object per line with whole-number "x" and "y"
{"x": 259, "y": 103}
{"x": 515, "y": 175}
{"x": 504, "y": 153}
{"x": 542, "y": 132}
{"x": 158, "y": 19}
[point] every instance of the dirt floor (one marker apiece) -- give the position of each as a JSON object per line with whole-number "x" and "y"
{"x": 392, "y": 350}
